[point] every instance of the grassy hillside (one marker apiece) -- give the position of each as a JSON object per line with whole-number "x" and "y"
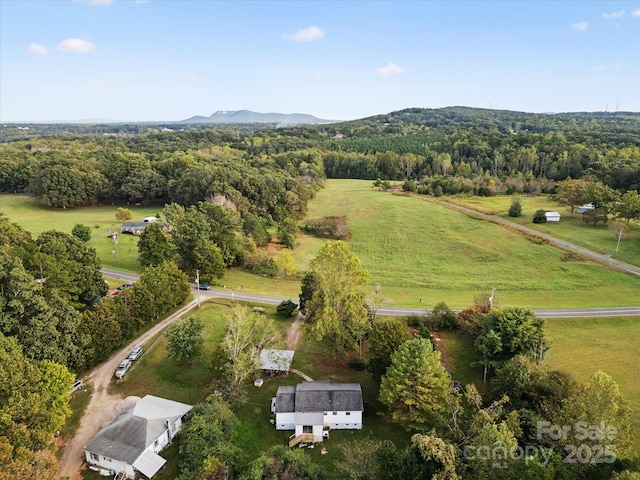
{"x": 601, "y": 239}
{"x": 420, "y": 253}
{"x": 423, "y": 253}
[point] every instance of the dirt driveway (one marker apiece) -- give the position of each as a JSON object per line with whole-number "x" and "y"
{"x": 104, "y": 408}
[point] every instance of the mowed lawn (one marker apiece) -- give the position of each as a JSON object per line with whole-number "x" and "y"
{"x": 601, "y": 238}
{"x": 157, "y": 374}
{"x": 27, "y": 212}
{"x": 422, "y": 253}
{"x": 583, "y": 346}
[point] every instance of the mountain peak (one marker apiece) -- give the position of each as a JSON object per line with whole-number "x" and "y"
{"x": 247, "y": 116}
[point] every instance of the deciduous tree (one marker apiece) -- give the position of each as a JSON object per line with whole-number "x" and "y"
{"x": 185, "y": 341}
{"x": 387, "y": 335}
{"x": 83, "y": 232}
{"x": 337, "y": 309}
{"x": 247, "y": 334}
{"x": 154, "y": 246}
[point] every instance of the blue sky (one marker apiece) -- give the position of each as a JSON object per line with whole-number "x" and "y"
{"x": 163, "y": 60}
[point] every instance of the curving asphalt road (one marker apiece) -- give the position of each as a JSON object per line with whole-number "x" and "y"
{"x": 391, "y": 311}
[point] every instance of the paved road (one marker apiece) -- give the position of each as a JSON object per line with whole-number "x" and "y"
{"x": 391, "y": 311}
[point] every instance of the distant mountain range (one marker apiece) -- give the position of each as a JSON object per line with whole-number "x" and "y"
{"x": 247, "y": 116}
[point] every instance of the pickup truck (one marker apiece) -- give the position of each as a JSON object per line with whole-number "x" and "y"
{"x": 122, "y": 368}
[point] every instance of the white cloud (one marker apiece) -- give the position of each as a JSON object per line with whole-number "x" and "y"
{"x": 191, "y": 77}
{"x": 315, "y": 76}
{"x": 37, "y": 49}
{"x": 599, "y": 68}
{"x": 391, "y": 69}
{"x": 305, "y": 35}
{"x": 636, "y": 13}
{"x": 617, "y": 65}
{"x": 95, "y": 2}
{"x": 580, "y": 26}
{"x": 613, "y": 15}
{"x": 75, "y": 45}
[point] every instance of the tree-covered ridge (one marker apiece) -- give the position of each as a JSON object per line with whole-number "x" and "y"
{"x": 408, "y": 144}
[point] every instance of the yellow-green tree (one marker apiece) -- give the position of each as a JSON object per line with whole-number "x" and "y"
{"x": 337, "y": 309}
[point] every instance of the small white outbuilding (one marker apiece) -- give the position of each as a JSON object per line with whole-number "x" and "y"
{"x": 552, "y": 216}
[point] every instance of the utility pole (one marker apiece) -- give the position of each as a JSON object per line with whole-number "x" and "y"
{"x": 115, "y": 240}
{"x": 198, "y": 285}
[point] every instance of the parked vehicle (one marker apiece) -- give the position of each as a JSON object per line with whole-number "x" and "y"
{"x": 77, "y": 385}
{"x": 204, "y": 286}
{"x": 126, "y": 285}
{"x": 135, "y": 353}
{"x": 122, "y": 368}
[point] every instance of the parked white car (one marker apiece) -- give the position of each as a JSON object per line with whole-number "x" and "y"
{"x": 135, "y": 353}
{"x": 122, "y": 368}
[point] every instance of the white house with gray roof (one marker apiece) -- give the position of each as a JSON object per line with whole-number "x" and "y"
{"x": 130, "y": 444}
{"x": 312, "y": 408}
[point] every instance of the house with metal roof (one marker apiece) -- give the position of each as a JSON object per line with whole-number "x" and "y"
{"x": 130, "y": 444}
{"x": 311, "y": 409}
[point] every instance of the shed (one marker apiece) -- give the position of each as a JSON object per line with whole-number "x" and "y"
{"x": 552, "y": 216}
{"x": 276, "y": 360}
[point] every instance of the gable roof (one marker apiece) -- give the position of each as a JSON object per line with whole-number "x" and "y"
{"x": 286, "y": 399}
{"x": 127, "y": 437}
{"x": 320, "y": 397}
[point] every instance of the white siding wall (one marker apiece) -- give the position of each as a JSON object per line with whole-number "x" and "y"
{"x": 343, "y": 420}
{"x": 286, "y": 421}
{"x": 110, "y": 464}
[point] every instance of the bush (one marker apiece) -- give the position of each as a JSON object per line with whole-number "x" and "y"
{"x": 441, "y": 317}
{"x": 124, "y": 214}
{"x": 286, "y": 308}
{"x": 595, "y": 216}
{"x": 260, "y": 264}
{"x": 516, "y": 208}
{"x": 328, "y": 227}
{"x": 358, "y": 363}
{"x": 539, "y": 217}
{"x": 83, "y": 232}
{"x": 415, "y": 320}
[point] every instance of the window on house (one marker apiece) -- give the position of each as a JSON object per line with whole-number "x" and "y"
{"x": 348, "y": 413}
{"x": 335, "y": 413}
{"x": 155, "y": 444}
{"x": 94, "y": 457}
{"x": 307, "y": 429}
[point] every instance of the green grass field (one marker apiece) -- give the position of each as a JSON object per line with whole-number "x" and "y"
{"x": 601, "y": 239}
{"x": 422, "y": 253}
{"x": 583, "y": 346}
{"x": 27, "y": 212}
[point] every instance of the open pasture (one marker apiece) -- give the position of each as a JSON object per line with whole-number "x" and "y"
{"x": 601, "y": 238}
{"x": 422, "y": 253}
{"x": 27, "y": 212}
